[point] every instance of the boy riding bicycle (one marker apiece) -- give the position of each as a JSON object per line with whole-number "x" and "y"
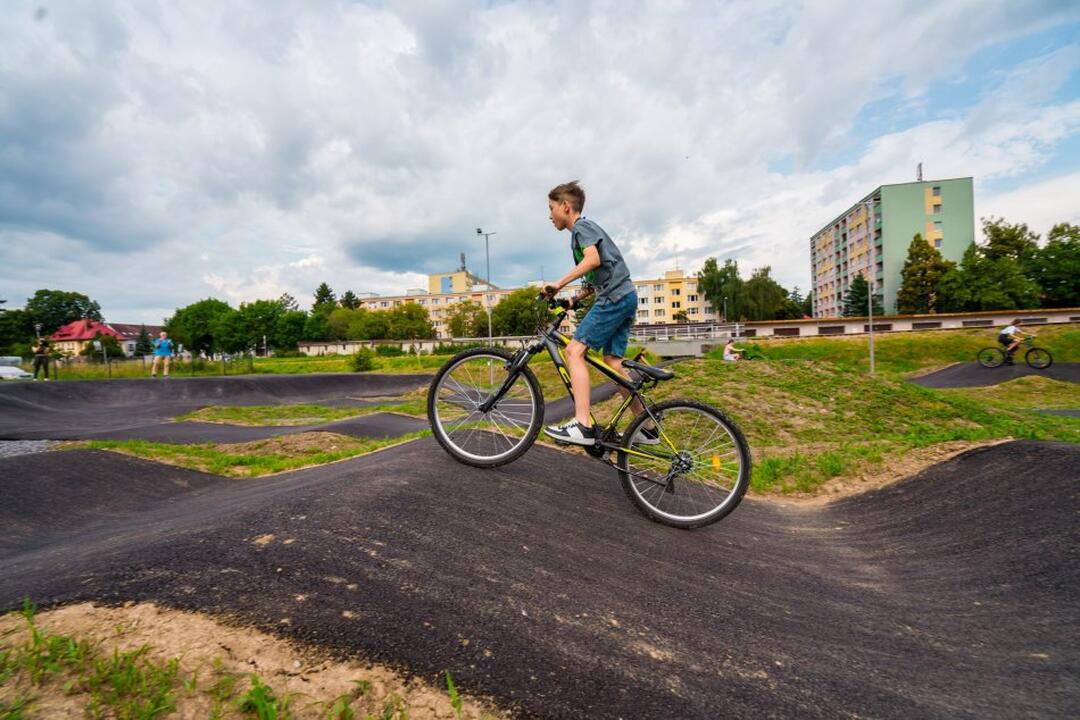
{"x": 606, "y": 327}
{"x": 1010, "y": 338}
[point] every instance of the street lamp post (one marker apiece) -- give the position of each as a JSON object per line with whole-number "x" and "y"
{"x": 487, "y": 291}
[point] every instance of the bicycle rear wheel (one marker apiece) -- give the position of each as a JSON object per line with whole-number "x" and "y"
{"x": 484, "y": 439}
{"x": 695, "y": 475}
{"x": 1038, "y": 358}
{"x": 991, "y": 357}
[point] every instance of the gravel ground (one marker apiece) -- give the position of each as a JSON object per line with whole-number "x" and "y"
{"x": 10, "y": 448}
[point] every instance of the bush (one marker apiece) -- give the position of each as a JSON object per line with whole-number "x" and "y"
{"x": 363, "y": 360}
{"x": 388, "y": 351}
{"x": 292, "y": 353}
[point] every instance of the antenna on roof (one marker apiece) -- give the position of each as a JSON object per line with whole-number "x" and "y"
{"x": 918, "y": 172}
{"x": 462, "y": 262}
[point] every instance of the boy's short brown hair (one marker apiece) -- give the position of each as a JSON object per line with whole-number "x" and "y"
{"x": 569, "y": 191}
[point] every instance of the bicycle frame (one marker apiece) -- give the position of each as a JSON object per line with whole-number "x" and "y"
{"x": 555, "y": 342}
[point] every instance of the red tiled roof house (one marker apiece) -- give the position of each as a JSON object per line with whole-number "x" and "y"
{"x": 73, "y": 337}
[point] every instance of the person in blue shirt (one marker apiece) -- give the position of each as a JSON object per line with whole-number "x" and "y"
{"x": 606, "y": 327}
{"x": 163, "y": 350}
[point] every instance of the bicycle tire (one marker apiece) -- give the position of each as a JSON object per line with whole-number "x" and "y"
{"x": 1038, "y": 358}
{"x": 740, "y": 450}
{"x": 991, "y": 357}
{"x": 453, "y": 446}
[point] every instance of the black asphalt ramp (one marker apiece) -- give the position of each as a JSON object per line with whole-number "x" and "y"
{"x": 949, "y": 595}
{"x": 376, "y": 425}
{"x": 69, "y": 410}
{"x": 975, "y": 375}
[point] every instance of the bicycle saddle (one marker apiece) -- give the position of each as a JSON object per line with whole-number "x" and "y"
{"x": 654, "y": 372}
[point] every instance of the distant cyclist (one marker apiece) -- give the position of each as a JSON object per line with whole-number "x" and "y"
{"x": 1010, "y": 338}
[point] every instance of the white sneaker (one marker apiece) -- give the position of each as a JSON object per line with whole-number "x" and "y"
{"x": 572, "y": 433}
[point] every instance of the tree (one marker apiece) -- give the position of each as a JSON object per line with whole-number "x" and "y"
{"x": 288, "y": 303}
{"x": 1057, "y": 267}
{"x": 466, "y": 319}
{"x": 54, "y": 308}
{"x": 516, "y": 314}
{"x": 289, "y": 329}
{"x": 583, "y": 308}
{"x": 680, "y": 316}
{"x": 718, "y": 284}
{"x": 339, "y": 321}
{"x": 16, "y": 332}
{"x": 109, "y": 344}
{"x": 763, "y": 297}
{"x": 349, "y": 300}
{"x": 369, "y": 325}
{"x": 201, "y": 326}
{"x": 409, "y": 322}
{"x": 252, "y": 323}
{"x": 856, "y": 298}
{"x": 985, "y": 283}
{"x": 920, "y": 278}
{"x": 1010, "y": 241}
{"x": 316, "y": 327}
{"x": 325, "y": 301}
{"x": 143, "y": 344}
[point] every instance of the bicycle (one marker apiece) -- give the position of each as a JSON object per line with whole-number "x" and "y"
{"x": 486, "y": 409}
{"x": 1035, "y": 357}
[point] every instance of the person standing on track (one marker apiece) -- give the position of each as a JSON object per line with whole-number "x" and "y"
{"x": 41, "y": 357}
{"x": 163, "y": 350}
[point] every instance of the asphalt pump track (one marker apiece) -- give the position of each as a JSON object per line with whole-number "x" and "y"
{"x": 951, "y": 594}
{"x": 963, "y": 375}
{"x": 143, "y": 409}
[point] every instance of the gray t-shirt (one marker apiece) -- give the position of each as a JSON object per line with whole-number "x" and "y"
{"x": 612, "y": 279}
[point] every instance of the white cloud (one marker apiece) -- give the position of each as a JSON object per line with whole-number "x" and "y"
{"x": 249, "y": 151}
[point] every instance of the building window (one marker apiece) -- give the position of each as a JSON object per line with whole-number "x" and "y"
{"x": 693, "y": 311}
{"x": 692, "y": 298}
{"x": 423, "y": 302}
{"x": 937, "y": 209}
{"x": 675, "y": 291}
{"x": 937, "y": 191}
{"x": 709, "y": 310}
{"x": 675, "y": 304}
{"x": 643, "y": 301}
{"x": 658, "y": 313}
{"x": 658, "y": 288}
{"x": 643, "y": 313}
{"x": 658, "y": 300}
{"x": 937, "y": 243}
{"x": 384, "y": 304}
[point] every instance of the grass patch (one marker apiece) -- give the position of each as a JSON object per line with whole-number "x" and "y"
{"x": 413, "y": 403}
{"x": 910, "y": 352}
{"x": 809, "y": 422}
{"x": 253, "y": 459}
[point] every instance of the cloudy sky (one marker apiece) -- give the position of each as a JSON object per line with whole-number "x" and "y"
{"x": 156, "y": 153}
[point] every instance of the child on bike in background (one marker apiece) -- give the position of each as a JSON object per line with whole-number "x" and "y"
{"x": 1010, "y": 338}
{"x": 606, "y": 327}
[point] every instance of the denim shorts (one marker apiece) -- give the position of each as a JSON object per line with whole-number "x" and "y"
{"x": 606, "y": 327}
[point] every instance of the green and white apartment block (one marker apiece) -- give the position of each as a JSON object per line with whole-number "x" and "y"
{"x": 871, "y": 238}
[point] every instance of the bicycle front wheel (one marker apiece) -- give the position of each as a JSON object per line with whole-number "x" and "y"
{"x": 1038, "y": 358}
{"x": 474, "y": 437}
{"x": 696, "y": 474}
{"x": 991, "y": 357}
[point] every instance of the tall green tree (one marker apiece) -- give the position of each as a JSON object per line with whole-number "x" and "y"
{"x": 992, "y": 283}
{"x": 339, "y": 320}
{"x": 201, "y": 326}
{"x": 466, "y": 319}
{"x": 516, "y": 314}
{"x": 409, "y": 322}
{"x": 1057, "y": 267}
{"x": 1013, "y": 241}
{"x": 764, "y": 298}
{"x": 109, "y": 344}
{"x": 325, "y": 300}
{"x": 349, "y": 300}
{"x": 289, "y": 329}
{"x": 369, "y": 325}
{"x": 16, "y": 332}
{"x": 143, "y": 344}
{"x": 54, "y": 308}
{"x": 920, "y": 278}
{"x": 718, "y": 284}
{"x": 288, "y": 302}
{"x": 856, "y": 299}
